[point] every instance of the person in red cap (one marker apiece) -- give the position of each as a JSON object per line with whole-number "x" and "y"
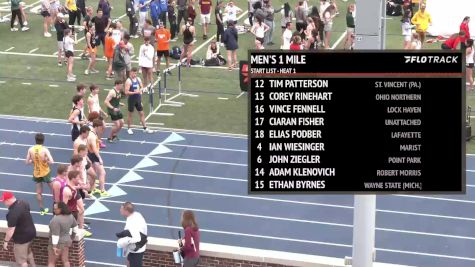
{"x": 21, "y": 229}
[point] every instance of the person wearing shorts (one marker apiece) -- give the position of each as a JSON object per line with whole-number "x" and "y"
{"x": 163, "y": 36}
{"x": 45, "y": 8}
{"x": 60, "y": 26}
{"x": 92, "y": 50}
{"x": 76, "y": 117}
{"x": 113, "y": 108}
{"x": 422, "y": 19}
{"x": 133, "y": 89}
{"x": 41, "y": 158}
{"x": 205, "y": 10}
{"x": 146, "y": 59}
{"x": 69, "y": 54}
{"x": 469, "y": 54}
{"x": 188, "y": 31}
{"x": 93, "y": 146}
{"x": 101, "y": 24}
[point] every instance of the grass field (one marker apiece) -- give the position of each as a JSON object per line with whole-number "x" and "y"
{"x": 33, "y": 85}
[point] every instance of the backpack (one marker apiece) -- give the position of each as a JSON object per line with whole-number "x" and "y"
{"x": 175, "y": 53}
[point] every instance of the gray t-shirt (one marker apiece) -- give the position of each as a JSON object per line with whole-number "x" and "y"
{"x": 60, "y": 226}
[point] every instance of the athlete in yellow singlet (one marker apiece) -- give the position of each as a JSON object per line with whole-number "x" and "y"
{"x": 41, "y": 158}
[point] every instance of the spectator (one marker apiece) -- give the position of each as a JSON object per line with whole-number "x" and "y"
{"x": 324, "y": 4}
{"x": 469, "y": 54}
{"x": 41, "y": 158}
{"x": 59, "y": 238}
{"x": 205, "y": 12}
{"x": 87, "y": 24}
{"x": 163, "y": 46}
{"x": 55, "y": 5}
{"x": 146, "y": 56}
{"x": 191, "y": 12}
{"x": 269, "y": 21}
{"x": 16, "y": 12}
{"x": 101, "y": 24}
{"x": 172, "y": 19}
{"x": 20, "y": 229}
{"x": 416, "y": 42}
{"x": 130, "y": 11}
{"x": 81, "y": 5}
{"x": 407, "y": 28}
{"x": 310, "y": 27}
{"x": 258, "y": 12}
{"x": 136, "y": 225}
{"x": 231, "y": 12}
{"x": 259, "y": 30}
{"x": 163, "y": 11}
{"x": 312, "y": 42}
{"x": 190, "y": 244}
{"x": 422, "y": 20}
{"x": 454, "y": 41}
{"x": 218, "y": 12}
{"x": 464, "y": 27}
{"x": 155, "y": 12}
{"x": 350, "y": 26}
{"x": 143, "y": 9}
{"x": 300, "y": 17}
{"x": 250, "y": 9}
{"x": 315, "y": 14}
{"x": 116, "y": 31}
{"x": 149, "y": 31}
{"x": 287, "y": 36}
{"x": 45, "y": 8}
{"x": 119, "y": 65}
{"x": 109, "y": 53}
{"x": 230, "y": 39}
{"x": 69, "y": 54}
{"x": 181, "y": 7}
{"x": 286, "y": 16}
{"x": 129, "y": 52}
{"x": 213, "y": 57}
{"x": 105, "y": 7}
{"x": 296, "y": 43}
{"x": 327, "y": 17}
{"x": 73, "y": 12}
{"x": 188, "y": 31}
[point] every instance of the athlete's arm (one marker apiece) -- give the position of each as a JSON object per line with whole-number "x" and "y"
{"x": 108, "y": 99}
{"x": 28, "y": 159}
{"x": 72, "y": 117}
{"x": 56, "y": 188}
{"x": 127, "y": 87}
{"x": 88, "y": 43}
{"x": 66, "y": 195}
{"x": 90, "y": 101}
{"x": 48, "y": 156}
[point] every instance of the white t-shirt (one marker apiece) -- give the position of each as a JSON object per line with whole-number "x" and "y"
{"x": 116, "y": 36}
{"x": 231, "y": 13}
{"x": 287, "y": 36}
{"x": 136, "y": 224}
{"x": 146, "y": 56}
{"x": 259, "y": 30}
{"x": 469, "y": 57}
{"x": 68, "y": 44}
{"x": 323, "y": 7}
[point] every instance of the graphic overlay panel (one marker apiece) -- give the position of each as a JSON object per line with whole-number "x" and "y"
{"x": 356, "y": 122}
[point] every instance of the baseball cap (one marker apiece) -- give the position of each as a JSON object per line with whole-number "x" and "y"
{"x": 6, "y": 196}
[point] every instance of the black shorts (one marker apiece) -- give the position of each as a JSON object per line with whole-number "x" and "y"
{"x": 135, "y": 259}
{"x": 260, "y": 40}
{"x": 134, "y": 102}
{"x": 470, "y": 65}
{"x": 81, "y": 194}
{"x": 92, "y": 157}
{"x": 163, "y": 53}
{"x": 45, "y": 14}
{"x": 88, "y": 165}
{"x": 74, "y": 133}
{"x": 115, "y": 116}
{"x": 100, "y": 38}
{"x": 69, "y": 54}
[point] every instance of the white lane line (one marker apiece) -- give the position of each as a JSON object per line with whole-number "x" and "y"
{"x": 53, "y": 85}
{"x": 3, "y": 82}
{"x": 141, "y": 156}
{"x": 25, "y": 7}
{"x": 425, "y": 254}
{"x": 240, "y": 94}
{"x": 141, "y": 142}
{"x": 343, "y": 35}
{"x": 26, "y": 83}
{"x": 11, "y": 48}
{"x": 439, "y": 198}
{"x": 290, "y": 201}
{"x": 223, "y": 98}
{"x": 104, "y": 263}
{"x": 33, "y": 50}
{"x": 184, "y": 131}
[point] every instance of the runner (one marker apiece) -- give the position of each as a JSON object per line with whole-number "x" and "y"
{"x": 88, "y": 181}
{"x": 68, "y": 193}
{"x": 59, "y": 182}
{"x": 80, "y": 186}
{"x": 163, "y": 36}
{"x": 41, "y": 158}
{"x": 113, "y": 107}
{"x": 133, "y": 89}
{"x": 81, "y": 141}
{"x": 92, "y": 50}
{"x": 93, "y": 105}
{"x": 94, "y": 156}
{"x": 76, "y": 117}
{"x": 188, "y": 31}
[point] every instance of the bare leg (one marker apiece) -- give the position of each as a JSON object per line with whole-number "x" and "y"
{"x": 39, "y": 194}
{"x": 65, "y": 257}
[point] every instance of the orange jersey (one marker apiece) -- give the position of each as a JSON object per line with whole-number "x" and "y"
{"x": 163, "y": 37}
{"x": 109, "y": 46}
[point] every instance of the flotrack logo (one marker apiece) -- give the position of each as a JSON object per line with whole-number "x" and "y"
{"x": 431, "y": 59}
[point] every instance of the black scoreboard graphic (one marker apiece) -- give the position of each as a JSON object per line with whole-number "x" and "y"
{"x": 356, "y": 122}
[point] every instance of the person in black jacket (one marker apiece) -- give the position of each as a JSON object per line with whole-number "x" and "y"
{"x": 133, "y": 23}
{"x": 230, "y": 40}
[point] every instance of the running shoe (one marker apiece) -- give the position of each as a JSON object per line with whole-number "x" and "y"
{"x": 86, "y": 72}
{"x": 44, "y": 211}
{"x": 115, "y": 138}
{"x": 25, "y": 23}
{"x": 102, "y": 145}
{"x": 105, "y": 194}
{"x": 94, "y": 71}
{"x": 96, "y": 191}
{"x": 87, "y": 233}
{"x": 87, "y": 227}
{"x": 110, "y": 140}
{"x": 24, "y": 29}
{"x": 14, "y": 29}
{"x": 147, "y": 130}
{"x": 47, "y": 34}
{"x": 129, "y": 131}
